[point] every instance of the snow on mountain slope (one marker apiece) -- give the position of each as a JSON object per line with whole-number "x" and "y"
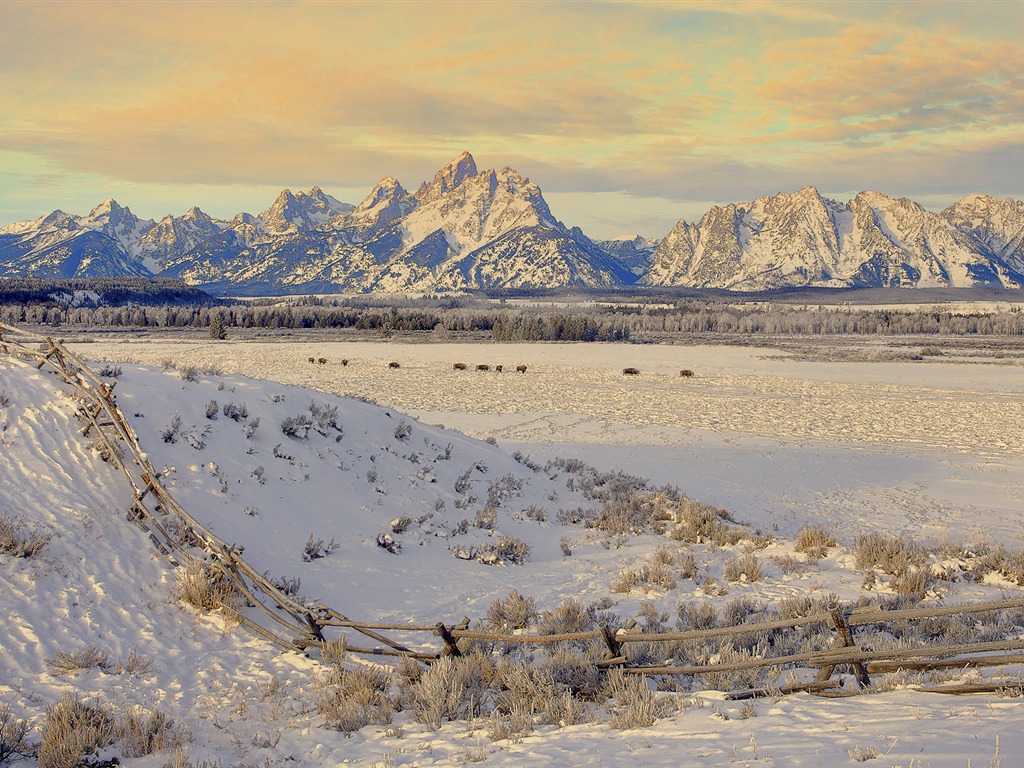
{"x": 803, "y": 239}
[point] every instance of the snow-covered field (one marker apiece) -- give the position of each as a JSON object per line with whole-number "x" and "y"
{"x": 932, "y": 450}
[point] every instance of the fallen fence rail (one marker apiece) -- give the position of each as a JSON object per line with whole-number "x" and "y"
{"x": 298, "y": 625}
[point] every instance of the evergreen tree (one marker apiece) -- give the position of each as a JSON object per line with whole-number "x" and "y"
{"x": 217, "y": 328}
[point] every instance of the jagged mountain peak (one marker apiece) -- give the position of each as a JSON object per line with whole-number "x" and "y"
{"x": 452, "y": 175}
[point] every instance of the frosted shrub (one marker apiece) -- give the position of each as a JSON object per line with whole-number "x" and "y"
{"x": 567, "y": 618}
{"x": 462, "y": 483}
{"x": 514, "y": 612}
{"x": 202, "y": 587}
{"x": 745, "y": 568}
{"x": 403, "y": 431}
{"x": 451, "y": 689}
{"x": 575, "y": 672}
{"x": 325, "y": 421}
{"x": 189, "y": 373}
{"x": 69, "y": 662}
{"x": 333, "y": 651}
{"x": 72, "y": 731}
{"x": 142, "y": 733}
{"x": 688, "y": 566}
{"x": 696, "y": 616}
{"x": 649, "y": 575}
{"x": 634, "y": 704}
{"x": 236, "y": 412}
{"x": 316, "y": 548}
{"x": 16, "y": 540}
{"x": 889, "y": 554}
{"x": 13, "y": 733}
{"x": 486, "y": 518}
{"x": 698, "y": 523}
{"x": 502, "y": 488}
{"x": 109, "y": 371}
{"x": 351, "y": 699}
{"x": 297, "y": 427}
{"x": 507, "y": 549}
{"x": 814, "y": 541}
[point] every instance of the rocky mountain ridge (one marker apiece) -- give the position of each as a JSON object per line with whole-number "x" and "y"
{"x": 472, "y": 229}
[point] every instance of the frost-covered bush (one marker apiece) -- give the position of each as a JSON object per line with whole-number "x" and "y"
{"x": 567, "y": 618}
{"x": 325, "y": 421}
{"x": 503, "y": 488}
{"x": 189, "y": 373}
{"x": 17, "y": 540}
{"x": 109, "y": 371}
{"x": 297, "y": 427}
{"x": 507, "y": 549}
{"x": 744, "y": 568}
{"x": 486, "y": 518}
{"x": 315, "y": 548}
{"x": 68, "y": 662}
{"x": 814, "y": 541}
{"x": 143, "y": 733}
{"x": 173, "y": 430}
{"x": 451, "y": 689}
{"x": 890, "y": 554}
{"x": 236, "y": 412}
{"x": 462, "y": 483}
{"x": 73, "y": 731}
{"x": 403, "y": 431}
{"x": 513, "y": 612}
{"x": 13, "y": 735}
{"x": 698, "y": 523}
{"x": 351, "y": 699}
{"x": 634, "y": 704}
{"x": 203, "y": 587}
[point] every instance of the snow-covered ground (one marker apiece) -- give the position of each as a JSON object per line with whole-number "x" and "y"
{"x": 926, "y": 449}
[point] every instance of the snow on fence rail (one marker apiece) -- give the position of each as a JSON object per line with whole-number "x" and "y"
{"x": 297, "y": 625}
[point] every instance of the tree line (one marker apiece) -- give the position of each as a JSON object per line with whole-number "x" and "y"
{"x": 169, "y": 304}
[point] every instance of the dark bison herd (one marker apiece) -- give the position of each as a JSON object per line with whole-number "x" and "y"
{"x": 685, "y": 373}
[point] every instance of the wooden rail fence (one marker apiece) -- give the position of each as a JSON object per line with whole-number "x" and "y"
{"x": 300, "y": 625}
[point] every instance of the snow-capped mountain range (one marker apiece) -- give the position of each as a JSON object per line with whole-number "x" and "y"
{"x": 469, "y": 229}
{"x": 804, "y": 239}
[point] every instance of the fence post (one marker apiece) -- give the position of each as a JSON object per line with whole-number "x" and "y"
{"x": 614, "y": 649}
{"x": 451, "y": 647}
{"x": 844, "y": 639}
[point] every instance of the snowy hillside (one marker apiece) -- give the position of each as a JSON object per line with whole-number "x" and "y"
{"x": 267, "y": 465}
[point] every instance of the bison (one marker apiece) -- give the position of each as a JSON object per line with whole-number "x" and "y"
{"x": 686, "y": 373}
{"x": 344, "y": 361}
{"x": 312, "y": 359}
{"x": 322, "y": 361}
{"x": 459, "y": 367}
{"x": 520, "y": 369}
{"x": 393, "y": 364}
{"x": 498, "y": 368}
{"x": 631, "y": 371}
{"x": 483, "y": 367}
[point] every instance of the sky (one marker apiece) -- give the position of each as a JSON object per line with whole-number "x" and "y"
{"x": 628, "y": 115}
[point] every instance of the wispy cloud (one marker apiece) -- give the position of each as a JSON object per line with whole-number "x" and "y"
{"x": 685, "y": 101}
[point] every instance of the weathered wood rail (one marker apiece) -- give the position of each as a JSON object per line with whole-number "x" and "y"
{"x": 301, "y": 625}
